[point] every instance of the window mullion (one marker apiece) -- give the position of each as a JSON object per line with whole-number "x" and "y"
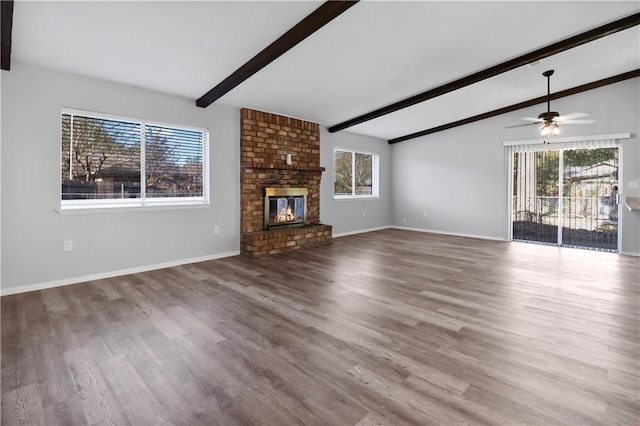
{"x": 71, "y": 149}
{"x": 143, "y": 161}
{"x": 353, "y": 174}
{"x": 373, "y": 176}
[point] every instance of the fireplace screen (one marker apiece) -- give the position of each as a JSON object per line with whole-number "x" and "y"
{"x": 285, "y": 207}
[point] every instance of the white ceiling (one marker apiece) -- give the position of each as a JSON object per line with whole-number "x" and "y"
{"x": 372, "y": 55}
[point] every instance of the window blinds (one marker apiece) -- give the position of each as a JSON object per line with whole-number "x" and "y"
{"x": 115, "y": 159}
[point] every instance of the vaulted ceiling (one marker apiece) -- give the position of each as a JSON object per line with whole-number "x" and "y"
{"x": 371, "y": 55}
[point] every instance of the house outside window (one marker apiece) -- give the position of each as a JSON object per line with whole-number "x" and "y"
{"x": 109, "y": 161}
{"x": 355, "y": 174}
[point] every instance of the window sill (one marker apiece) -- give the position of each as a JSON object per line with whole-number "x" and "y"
{"x": 363, "y": 198}
{"x": 75, "y": 210}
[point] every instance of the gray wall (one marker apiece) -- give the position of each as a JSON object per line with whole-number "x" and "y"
{"x": 351, "y": 216}
{"x": 1, "y": 74}
{"x": 109, "y": 243}
{"x": 33, "y": 232}
{"x": 458, "y": 177}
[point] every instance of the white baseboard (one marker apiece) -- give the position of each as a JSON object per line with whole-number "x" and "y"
{"x": 111, "y": 274}
{"x": 630, "y": 253}
{"x": 454, "y": 234}
{"x": 360, "y": 231}
{"x": 483, "y": 237}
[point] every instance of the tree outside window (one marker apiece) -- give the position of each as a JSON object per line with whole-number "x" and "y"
{"x": 111, "y": 159}
{"x": 353, "y": 174}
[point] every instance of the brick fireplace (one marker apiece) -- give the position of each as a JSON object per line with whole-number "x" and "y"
{"x": 266, "y": 139}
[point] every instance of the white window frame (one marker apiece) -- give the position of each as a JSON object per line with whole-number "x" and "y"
{"x": 374, "y": 175}
{"x": 613, "y": 140}
{"x": 142, "y": 203}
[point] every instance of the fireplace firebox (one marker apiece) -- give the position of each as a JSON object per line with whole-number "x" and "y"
{"x": 285, "y": 207}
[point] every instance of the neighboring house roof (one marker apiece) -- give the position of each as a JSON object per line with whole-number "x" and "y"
{"x": 600, "y": 170}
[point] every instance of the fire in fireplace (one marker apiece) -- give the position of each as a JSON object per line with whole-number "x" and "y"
{"x": 285, "y": 207}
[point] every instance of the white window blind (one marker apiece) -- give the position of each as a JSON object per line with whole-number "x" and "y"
{"x": 584, "y": 142}
{"x": 113, "y": 161}
{"x": 174, "y": 162}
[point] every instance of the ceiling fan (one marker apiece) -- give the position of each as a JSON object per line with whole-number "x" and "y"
{"x": 550, "y": 121}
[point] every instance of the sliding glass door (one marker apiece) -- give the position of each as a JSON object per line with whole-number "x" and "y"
{"x": 590, "y": 192}
{"x": 566, "y": 197}
{"x": 535, "y": 198}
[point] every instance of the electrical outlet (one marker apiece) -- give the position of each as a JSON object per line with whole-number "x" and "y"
{"x": 364, "y": 214}
{"x": 68, "y": 246}
{"x": 404, "y": 220}
{"x": 425, "y": 213}
{"x": 216, "y": 230}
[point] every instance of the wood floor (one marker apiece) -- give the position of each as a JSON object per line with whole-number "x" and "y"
{"x": 389, "y": 327}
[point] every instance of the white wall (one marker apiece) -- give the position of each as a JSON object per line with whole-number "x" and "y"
{"x": 33, "y": 232}
{"x": 346, "y": 216}
{"x": 459, "y": 176}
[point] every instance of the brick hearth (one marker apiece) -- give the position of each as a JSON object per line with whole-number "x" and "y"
{"x": 266, "y": 139}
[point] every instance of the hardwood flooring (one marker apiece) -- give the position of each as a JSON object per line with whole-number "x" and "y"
{"x": 389, "y": 327}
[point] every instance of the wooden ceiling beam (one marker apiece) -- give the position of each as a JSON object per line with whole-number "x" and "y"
{"x": 6, "y": 20}
{"x": 303, "y": 29}
{"x": 521, "y": 105}
{"x": 544, "y": 52}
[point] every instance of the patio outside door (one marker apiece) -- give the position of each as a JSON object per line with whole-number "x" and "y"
{"x": 567, "y": 197}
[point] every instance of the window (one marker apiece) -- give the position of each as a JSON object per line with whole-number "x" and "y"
{"x": 113, "y": 161}
{"x": 354, "y": 174}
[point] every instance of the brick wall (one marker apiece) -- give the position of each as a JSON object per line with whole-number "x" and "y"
{"x": 271, "y": 242}
{"x": 266, "y": 139}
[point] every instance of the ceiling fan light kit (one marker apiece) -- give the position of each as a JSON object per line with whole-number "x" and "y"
{"x": 550, "y": 128}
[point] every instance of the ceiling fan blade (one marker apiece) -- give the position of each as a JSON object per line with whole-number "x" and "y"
{"x": 571, "y": 116}
{"x": 578, "y": 122}
{"x": 521, "y": 125}
{"x": 537, "y": 120}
